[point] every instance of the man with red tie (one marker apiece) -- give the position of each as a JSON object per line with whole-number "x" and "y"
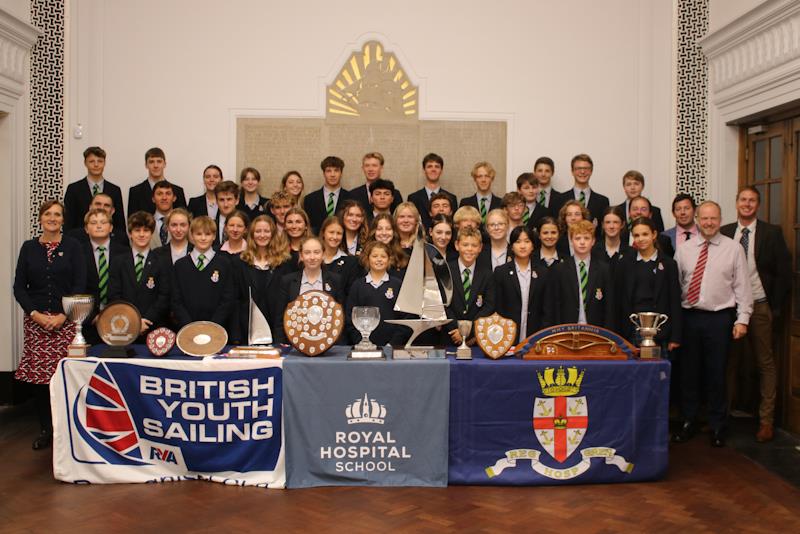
{"x": 717, "y": 302}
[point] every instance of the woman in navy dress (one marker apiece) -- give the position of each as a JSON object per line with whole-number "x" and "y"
{"x": 49, "y": 267}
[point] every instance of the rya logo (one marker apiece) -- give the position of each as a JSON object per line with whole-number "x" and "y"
{"x": 365, "y": 410}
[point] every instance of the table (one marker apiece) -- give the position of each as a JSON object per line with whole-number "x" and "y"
{"x": 510, "y": 424}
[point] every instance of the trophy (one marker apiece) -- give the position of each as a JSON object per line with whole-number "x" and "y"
{"x": 313, "y": 322}
{"x": 77, "y": 308}
{"x": 366, "y": 319}
{"x": 463, "y": 352}
{"x": 259, "y": 337}
{"x": 648, "y": 324}
{"x": 119, "y": 324}
{"x": 495, "y": 335}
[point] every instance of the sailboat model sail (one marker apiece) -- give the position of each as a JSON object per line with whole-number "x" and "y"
{"x": 259, "y": 332}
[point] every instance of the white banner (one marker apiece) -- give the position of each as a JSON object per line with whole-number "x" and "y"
{"x": 578, "y": 469}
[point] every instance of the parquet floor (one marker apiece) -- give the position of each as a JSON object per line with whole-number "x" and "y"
{"x": 707, "y": 490}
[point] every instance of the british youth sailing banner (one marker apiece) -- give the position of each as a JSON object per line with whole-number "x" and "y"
{"x": 515, "y": 422}
{"x": 167, "y": 420}
{"x": 357, "y": 423}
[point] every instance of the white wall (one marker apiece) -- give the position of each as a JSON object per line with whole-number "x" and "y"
{"x": 18, "y": 8}
{"x": 571, "y": 76}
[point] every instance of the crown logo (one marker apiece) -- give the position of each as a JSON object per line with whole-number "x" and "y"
{"x": 365, "y": 410}
{"x": 560, "y": 383}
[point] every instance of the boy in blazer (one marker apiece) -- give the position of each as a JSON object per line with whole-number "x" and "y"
{"x": 473, "y": 291}
{"x": 582, "y": 169}
{"x": 203, "y": 281}
{"x": 580, "y": 289}
{"x": 140, "y": 196}
{"x": 79, "y": 194}
{"x": 432, "y": 166}
{"x": 326, "y": 200}
{"x": 142, "y": 278}
{"x": 483, "y": 200}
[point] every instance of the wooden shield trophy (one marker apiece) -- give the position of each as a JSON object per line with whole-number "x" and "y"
{"x": 202, "y": 338}
{"x": 313, "y": 322}
{"x": 160, "y": 341}
{"x": 118, "y": 325}
{"x": 495, "y": 335}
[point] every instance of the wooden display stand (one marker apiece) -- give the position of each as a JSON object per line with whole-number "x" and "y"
{"x": 576, "y": 342}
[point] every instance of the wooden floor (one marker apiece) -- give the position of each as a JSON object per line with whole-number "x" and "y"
{"x": 707, "y": 490}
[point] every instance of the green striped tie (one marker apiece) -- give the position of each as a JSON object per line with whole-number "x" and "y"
{"x": 139, "y": 267}
{"x": 201, "y": 262}
{"x": 102, "y": 273}
{"x": 584, "y": 278}
{"x": 329, "y": 208}
{"x": 483, "y": 210}
{"x": 467, "y": 287}
{"x": 526, "y": 216}
{"x": 582, "y": 199}
{"x": 95, "y": 189}
{"x": 542, "y": 198}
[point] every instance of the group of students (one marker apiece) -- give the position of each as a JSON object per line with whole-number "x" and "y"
{"x": 537, "y": 256}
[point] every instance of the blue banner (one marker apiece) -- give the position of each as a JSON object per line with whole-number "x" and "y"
{"x": 515, "y": 422}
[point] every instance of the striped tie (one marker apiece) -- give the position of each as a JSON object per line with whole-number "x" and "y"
{"x": 162, "y": 232}
{"x": 201, "y": 262}
{"x": 95, "y": 189}
{"x": 583, "y": 274}
{"x": 542, "y": 198}
{"x": 465, "y": 282}
{"x": 745, "y": 240}
{"x": 139, "y": 267}
{"x": 483, "y": 210}
{"x": 582, "y": 199}
{"x": 526, "y": 216}
{"x": 693, "y": 294}
{"x": 102, "y": 273}
{"x": 329, "y": 208}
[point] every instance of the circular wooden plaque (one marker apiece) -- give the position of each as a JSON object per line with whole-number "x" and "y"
{"x": 202, "y": 338}
{"x": 119, "y": 324}
{"x": 313, "y": 322}
{"x": 495, "y": 335}
{"x": 160, "y": 341}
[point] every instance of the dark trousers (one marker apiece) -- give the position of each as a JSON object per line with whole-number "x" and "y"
{"x": 704, "y": 353}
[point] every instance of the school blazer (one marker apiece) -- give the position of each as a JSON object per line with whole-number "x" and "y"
{"x": 664, "y": 243}
{"x": 78, "y": 197}
{"x": 773, "y": 262}
{"x": 420, "y": 200}
{"x": 597, "y": 204}
{"x": 315, "y": 206}
{"x": 667, "y": 291}
{"x": 289, "y": 290}
{"x": 140, "y": 198}
{"x": 655, "y": 216}
{"x": 539, "y": 212}
{"x": 508, "y": 295}
{"x": 150, "y": 295}
{"x": 360, "y": 195}
{"x": 481, "y": 295}
{"x": 562, "y": 295}
{"x": 197, "y": 206}
{"x": 206, "y": 295}
{"x": 472, "y": 200}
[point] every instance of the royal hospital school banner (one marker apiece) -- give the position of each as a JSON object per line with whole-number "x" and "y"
{"x": 168, "y": 420}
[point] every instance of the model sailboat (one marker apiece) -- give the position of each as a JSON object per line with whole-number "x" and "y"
{"x": 259, "y": 337}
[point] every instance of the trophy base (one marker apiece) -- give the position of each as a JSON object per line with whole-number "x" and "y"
{"x": 253, "y": 352}
{"x": 649, "y": 353}
{"x": 357, "y": 354}
{"x": 418, "y": 353}
{"x": 464, "y": 353}
{"x": 118, "y": 352}
{"x": 77, "y": 351}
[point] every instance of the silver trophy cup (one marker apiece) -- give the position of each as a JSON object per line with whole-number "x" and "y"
{"x": 647, "y": 325}
{"x": 366, "y": 319}
{"x": 77, "y": 308}
{"x": 463, "y": 352}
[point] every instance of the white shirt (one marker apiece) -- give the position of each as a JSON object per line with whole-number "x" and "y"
{"x": 178, "y": 253}
{"x": 144, "y": 254}
{"x": 221, "y": 228}
{"x": 379, "y": 283}
{"x": 586, "y": 192}
{"x": 654, "y": 257}
{"x": 755, "y": 281}
{"x": 326, "y": 193}
{"x": 208, "y": 254}
{"x": 581, "y": 306}
{"x": 159, "y": 224}
{"x": 339, "y": 254}
{"x": 499, "y": 258}
{"x": 431, "y": 192}
{"x": 524, "y": 279}
{"x": 306, "y": 285}
{"x": 352, "y": 247}
{"x": 548, "y": 261}
{"x": 725, "y": 282}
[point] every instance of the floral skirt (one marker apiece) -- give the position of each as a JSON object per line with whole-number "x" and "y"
{"x": 42, "y": 351}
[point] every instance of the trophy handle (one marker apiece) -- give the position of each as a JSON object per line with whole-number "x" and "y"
{"x": 661, "y": 320}
{"x": 634, "y": 317}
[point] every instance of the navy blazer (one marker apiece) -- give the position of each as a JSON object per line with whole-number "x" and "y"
{"x": 597, "y": 205}
{"x": 481, "y": 295}
{"x": 140, "y": 198}
{"x": 508, "y": 296}
{"x": 655, "y": 215}
{"x": 289, "y": 290}
{"x": 773, "y": 262}
{"x": 79, "y": 196}
{"x": 563, "y": 303}
{"x": 39, "y": 284}
{"x": 420, "y": 200}
{"x": 150, "y": 294}
{"x": 315, "y": 206}
{"x": 472, "y": 200}
{"x": 197, "y": 206}
{"x": 206, "y": 295}
{"x": 360, "y": 195}
{"x": 667, "y": 292}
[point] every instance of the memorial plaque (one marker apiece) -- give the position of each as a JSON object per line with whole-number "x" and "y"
{"x": 160, "y": 341}
{"x": 495, "y": 335}
{"x": 202, "y": 338}
{"x": 119, "y": 324}
{"x": 313, "y": 322}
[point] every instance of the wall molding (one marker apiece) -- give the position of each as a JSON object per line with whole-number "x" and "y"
{"x": 16, "y": 40}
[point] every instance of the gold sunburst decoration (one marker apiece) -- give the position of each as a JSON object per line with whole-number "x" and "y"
{"x": 372, "y": 84}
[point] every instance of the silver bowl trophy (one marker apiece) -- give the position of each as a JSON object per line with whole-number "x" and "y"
{"x": 463, "y": 352}
{"x": 366, "y": 319}
{"x": 419, "y": 295}
{"x": 647, "y": 326}
{"x": 77, "y": 308}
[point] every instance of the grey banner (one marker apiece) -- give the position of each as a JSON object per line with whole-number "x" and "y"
{"x": 371, "y": 423}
